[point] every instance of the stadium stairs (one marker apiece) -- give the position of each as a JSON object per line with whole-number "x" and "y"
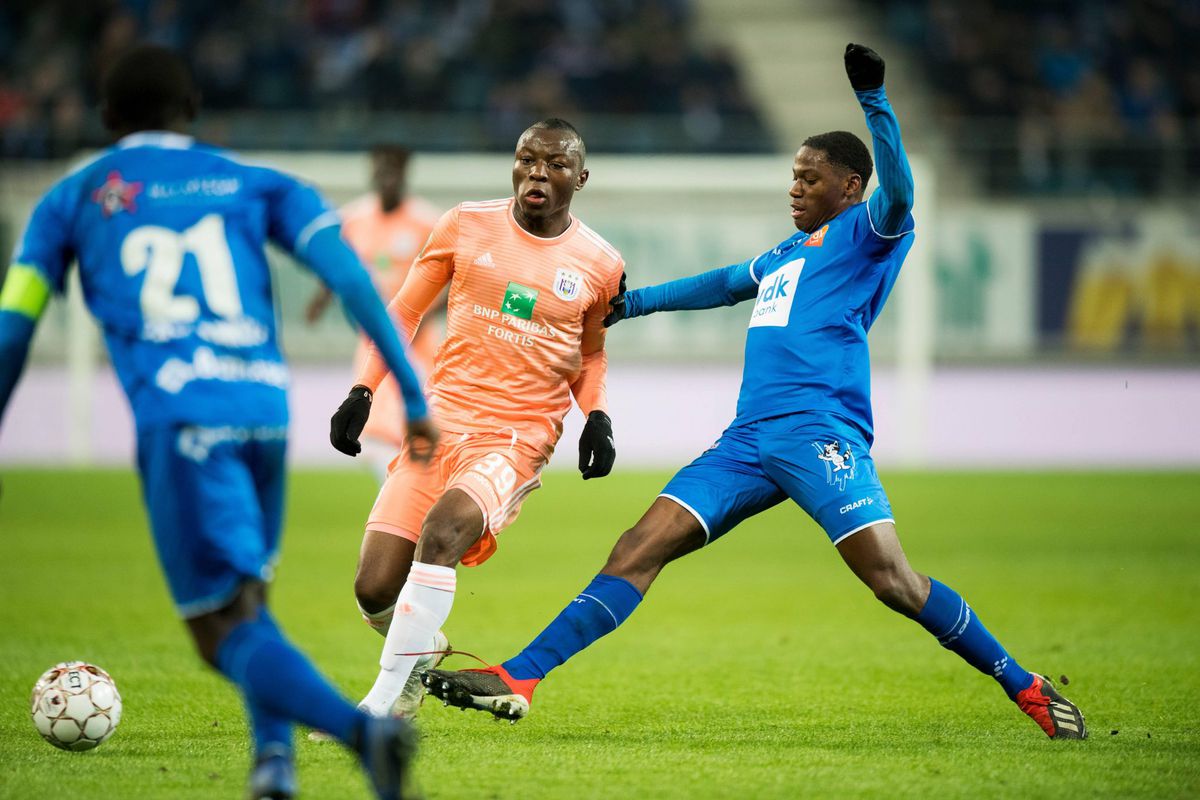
{"x": 790, "y": 54}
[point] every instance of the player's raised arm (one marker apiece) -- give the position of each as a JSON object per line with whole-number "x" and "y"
{"x": 890, "y": 204}
{"x": 726, "y": 286}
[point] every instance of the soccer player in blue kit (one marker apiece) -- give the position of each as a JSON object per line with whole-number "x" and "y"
{"x": 803, "y": 428}
{"x": 168, "y": 235}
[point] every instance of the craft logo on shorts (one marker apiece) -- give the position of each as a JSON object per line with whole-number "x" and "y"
{"x": 567, "y": 284}
{"x": 519, "y": 301}
{"x": 839, "y": 463}
{"x": 115, "y": 195}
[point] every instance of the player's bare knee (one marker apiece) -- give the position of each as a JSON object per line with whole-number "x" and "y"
{"x": 375, "y": 594}
{"x": 443, "y": 542}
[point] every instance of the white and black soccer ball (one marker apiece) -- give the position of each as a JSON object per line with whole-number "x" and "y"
{"x": 75, "y": 705}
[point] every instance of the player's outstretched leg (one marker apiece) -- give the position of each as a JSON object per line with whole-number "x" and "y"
{"x": 875, "y": 556}
{"x": 506, "y": 690}
{"x": 664, "y": 533}
{"x": 279, "y": 684}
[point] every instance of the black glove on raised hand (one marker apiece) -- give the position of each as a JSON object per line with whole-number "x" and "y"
{"x": 597, "y": 453}
{"x": 617, "y": 306}
{"x": 347, "y": 422}
{"x": 864, "y": 67}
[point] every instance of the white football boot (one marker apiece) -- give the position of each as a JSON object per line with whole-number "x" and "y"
{"x": 410, "y": 699}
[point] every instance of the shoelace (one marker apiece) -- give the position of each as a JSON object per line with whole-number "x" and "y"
{"x": 446, "y": 653}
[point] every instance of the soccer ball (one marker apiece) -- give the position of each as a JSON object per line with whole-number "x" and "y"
{"x": 75, "y": 705}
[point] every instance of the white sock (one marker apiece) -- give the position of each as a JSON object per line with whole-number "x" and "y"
{"x": 421, "y": 610}
{"x": 380, "y": 620}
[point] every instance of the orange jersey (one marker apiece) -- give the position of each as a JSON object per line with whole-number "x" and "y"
{"x": 524, "y": 328}
{"x": 388, "y": 243}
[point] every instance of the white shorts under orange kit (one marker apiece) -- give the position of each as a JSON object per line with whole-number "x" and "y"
{"x": 524, "y": 333}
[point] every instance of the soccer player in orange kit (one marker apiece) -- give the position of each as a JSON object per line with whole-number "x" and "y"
{"x": 530, "y": 286}
{"x": 386, "y": 228}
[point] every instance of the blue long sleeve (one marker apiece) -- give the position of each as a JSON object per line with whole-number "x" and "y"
{"x": 337, "y": 265}
{"x": 16, "y": 332}
{"x": 726, "y": 286}
{"x": 893, "y": 200}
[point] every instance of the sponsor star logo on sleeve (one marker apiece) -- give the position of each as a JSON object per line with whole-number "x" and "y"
{"x": 519, "y": 301}
{"x": 116, "y": 195}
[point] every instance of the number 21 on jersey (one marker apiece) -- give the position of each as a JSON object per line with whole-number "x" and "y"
{"x": 160, "y": 253}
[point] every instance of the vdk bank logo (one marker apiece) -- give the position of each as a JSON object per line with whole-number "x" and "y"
{"x": 775, "y": 293}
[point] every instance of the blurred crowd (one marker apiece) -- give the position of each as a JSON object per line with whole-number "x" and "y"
{"x": 501, "y": 63}
{"x": 1070, "y": 94}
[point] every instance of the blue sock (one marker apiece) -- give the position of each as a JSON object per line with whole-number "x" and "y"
{"x": 272, "y": 733}
{"x": 276, "y": 679}
{"x": 948, "y": 617}
{"x": 599, "y": 609}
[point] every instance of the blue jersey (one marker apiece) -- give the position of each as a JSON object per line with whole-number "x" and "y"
{"x": 169, "y": 237}
{"x": 818, "y": 295}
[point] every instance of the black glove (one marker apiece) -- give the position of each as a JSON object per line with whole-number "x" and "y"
{"x": 617, "y": 311}
{"x": 597, "y": 453}
{"x": 864, "y": 67}
{"x": 347, "y": 422}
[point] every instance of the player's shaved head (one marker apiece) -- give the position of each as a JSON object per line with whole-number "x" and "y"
{"x": 569, "y": 130}
{"x": 148, "y": 88}
{"x": 845, "y": 150}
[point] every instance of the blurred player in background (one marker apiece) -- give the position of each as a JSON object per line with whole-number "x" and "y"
{"x": 386, "y": 228}
{"x": 803, "y": 428}
{"x": 529, "y": 289}
{"x": 169, "y": 235}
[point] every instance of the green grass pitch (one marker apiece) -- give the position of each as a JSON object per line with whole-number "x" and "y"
{"x": 758, "y": 668}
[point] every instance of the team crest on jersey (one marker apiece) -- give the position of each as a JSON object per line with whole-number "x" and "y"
{"x": 567, "y": 284}
{"x": 839, "y": 463}
{"x": 519, "y": 301}
{"x": 115, "y": 195}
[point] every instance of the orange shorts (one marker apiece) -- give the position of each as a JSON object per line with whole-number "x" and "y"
{"x": 496, "y": 470}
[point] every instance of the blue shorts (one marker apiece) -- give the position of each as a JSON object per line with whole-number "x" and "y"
{"x": 215, "y": 501}
{"x": 820, "y": 461}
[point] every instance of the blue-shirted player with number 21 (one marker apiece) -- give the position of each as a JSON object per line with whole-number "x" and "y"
{"x": 168, "y": 235}
{"x": 803, "y": 429}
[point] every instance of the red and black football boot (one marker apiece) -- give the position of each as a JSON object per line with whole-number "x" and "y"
{"x": 1057, "y": 716}
{"x": 492, "y": 690}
